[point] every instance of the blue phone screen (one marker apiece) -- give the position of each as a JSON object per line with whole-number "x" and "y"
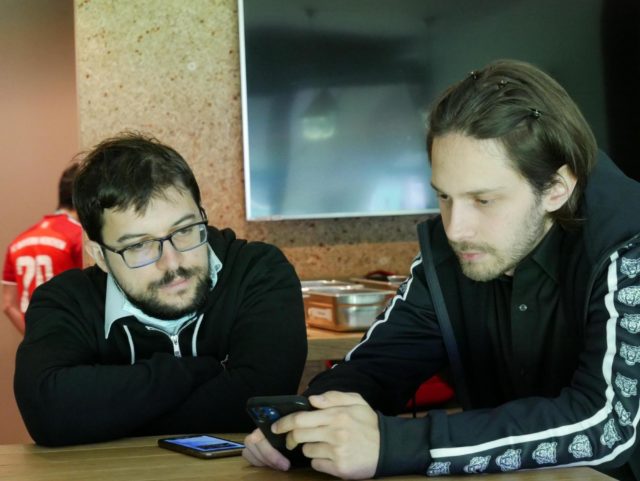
{"x": 206, "y": 443}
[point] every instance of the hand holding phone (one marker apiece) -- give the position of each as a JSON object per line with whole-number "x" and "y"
{"x": 202, "y": 446}
{"x": 265, "y": 410}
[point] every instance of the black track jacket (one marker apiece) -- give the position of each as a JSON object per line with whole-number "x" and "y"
{"x": 74, "y": 386}
{"x": 582, "y": 412}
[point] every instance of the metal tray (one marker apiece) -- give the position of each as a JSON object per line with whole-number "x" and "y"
{"x": 322, "y": 284}
{"x": 392, "y": 282}
{"x": 340, "y": 309}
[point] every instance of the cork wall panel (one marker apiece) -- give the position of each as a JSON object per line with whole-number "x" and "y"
{"x": 171, "y": 69}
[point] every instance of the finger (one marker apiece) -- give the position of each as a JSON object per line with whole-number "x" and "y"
{"x": 266, "y": 455}
{"x": 251, "y": 457}
{"x": 250, "y": 452}
{"x": 254, "y": 437}
{"x": 308, "y": 435}
{"x": 301, "y": 419}
{"x": 259, "y": 452}
{"x": 317, "y": 450}
{"x": 336, "y": 398}
{"x": 304, "y": 420}
{"x": 319, "y": 417}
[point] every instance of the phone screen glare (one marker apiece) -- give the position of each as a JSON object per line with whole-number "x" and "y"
{"x": 206, "y": 443}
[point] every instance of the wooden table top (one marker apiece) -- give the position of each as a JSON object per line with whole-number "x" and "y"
{"x": 140, "y": 459}
{"x": 324, "y": 344}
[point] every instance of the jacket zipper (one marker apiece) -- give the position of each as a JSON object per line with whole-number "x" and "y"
{"x": 174, "y": 338}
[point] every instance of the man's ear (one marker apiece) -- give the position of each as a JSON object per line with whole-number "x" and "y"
{"x": 558, "y": 194}
{"x": 95, "y": 252}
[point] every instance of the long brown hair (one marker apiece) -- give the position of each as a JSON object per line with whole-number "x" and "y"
{"x": 535, "y": 119}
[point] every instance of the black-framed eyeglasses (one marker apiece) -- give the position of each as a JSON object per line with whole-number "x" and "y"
{"x": 147, "y": 252}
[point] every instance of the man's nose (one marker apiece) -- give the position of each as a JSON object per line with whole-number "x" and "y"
{"x": 170, "y": 258}
{"x": 459, "y": 223}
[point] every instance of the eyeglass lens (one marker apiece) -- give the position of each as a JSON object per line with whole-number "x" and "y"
{"x": 150, "y": 251}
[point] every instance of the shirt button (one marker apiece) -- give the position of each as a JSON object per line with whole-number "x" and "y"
{"x": 522, "y": 307}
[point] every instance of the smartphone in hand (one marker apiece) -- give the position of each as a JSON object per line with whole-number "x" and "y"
{"x": 265, "y": 410}
{"x": 202, "y": 446}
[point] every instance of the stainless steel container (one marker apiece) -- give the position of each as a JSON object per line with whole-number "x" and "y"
{"x": 392, "y": 282}
{"x": 344, "y": 308}
{"x": 321, "y": 284}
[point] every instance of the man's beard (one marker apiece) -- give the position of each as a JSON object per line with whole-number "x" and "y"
{"x": 150, "y": 303}
{"x": 496, "y": 263}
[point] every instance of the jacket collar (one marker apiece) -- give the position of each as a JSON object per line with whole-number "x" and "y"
{"x": 609, "y": 208}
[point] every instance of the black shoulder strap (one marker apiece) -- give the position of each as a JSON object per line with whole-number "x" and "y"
{"x": 443, "y": 317}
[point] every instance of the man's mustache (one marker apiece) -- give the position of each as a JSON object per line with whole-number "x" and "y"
{"x": 170, "y": 276}
{"x": 459, "y": 247}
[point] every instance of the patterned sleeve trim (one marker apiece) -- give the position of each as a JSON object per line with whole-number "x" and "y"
{"x": 609, "y": 431}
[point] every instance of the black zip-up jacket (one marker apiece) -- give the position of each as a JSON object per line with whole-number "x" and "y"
{"x": 73, "y": 385}
{"x": 583, "y": 411}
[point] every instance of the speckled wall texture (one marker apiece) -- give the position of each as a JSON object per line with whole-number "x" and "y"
{"x": 171, "y": 68}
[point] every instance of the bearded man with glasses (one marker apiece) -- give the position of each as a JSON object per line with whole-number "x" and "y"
{"x": 176, "y": 325}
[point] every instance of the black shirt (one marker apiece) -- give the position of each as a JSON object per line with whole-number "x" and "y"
{"x": 521, "y": 315}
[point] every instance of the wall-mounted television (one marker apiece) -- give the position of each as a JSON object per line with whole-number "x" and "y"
{"x": 335, "y": 93}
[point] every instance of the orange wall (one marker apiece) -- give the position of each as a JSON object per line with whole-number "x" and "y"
{"x": 38, "y": 135}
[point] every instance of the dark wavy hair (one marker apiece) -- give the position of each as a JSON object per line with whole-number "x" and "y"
{"x": 65, "y": 186}
{"x": 126, "y": 171}
{"x": 531, "y": 115}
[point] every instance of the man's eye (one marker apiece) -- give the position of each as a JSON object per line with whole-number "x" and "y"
{"x": 185, "y": 232}
{"x": 138, "y": 247}
{"x": 484, "y": 201}
{"x": 443, "y": 196}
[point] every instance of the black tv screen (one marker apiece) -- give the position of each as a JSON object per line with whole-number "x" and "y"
{"x": 335, "y": 93}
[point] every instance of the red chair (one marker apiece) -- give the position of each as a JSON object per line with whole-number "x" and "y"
{"x": 432, "y": 392}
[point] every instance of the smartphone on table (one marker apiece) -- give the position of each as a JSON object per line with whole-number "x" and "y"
{"x": 202, "y": 446}
{"x": 265, "y": 410}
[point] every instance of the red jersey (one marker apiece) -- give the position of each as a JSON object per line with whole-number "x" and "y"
{"x": 44, "y": 250}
